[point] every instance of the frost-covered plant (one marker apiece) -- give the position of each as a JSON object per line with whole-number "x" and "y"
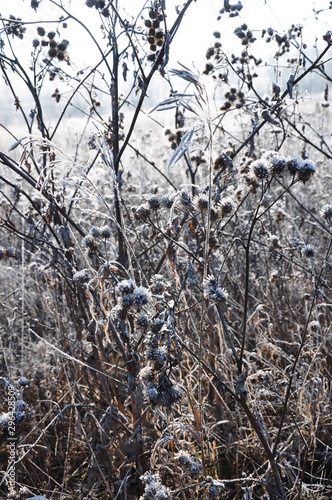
{"x": 166, "y": 278}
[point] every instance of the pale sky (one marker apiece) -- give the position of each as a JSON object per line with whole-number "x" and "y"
{"x": 200, "y": 20}
{"x": 195, "y": 33}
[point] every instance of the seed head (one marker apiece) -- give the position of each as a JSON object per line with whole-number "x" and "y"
{"x": 158, "y": 354}
{"x": 95, "y": 231}
{"x": 201, "y": 202}
{"x": 184, "y": 458}
{"x": 275, "y": 89}
{"x": 81, "y": 276}
{"x": 154, "y": 202}
{"x": 226, "y": 207}
{"x": 277, "y": 160}
{"x": 212, "y": 290}
{"x": 292, "y": 164}
{"x": 167, "y": 201}
{"x": 142, "y": 212}
{"x": 126, "y": 300}
{"x": 184, "y": 198}
{"x": 314, "y": 327}
{"x": 126, "y": 286}
{"x": 21, "y": 410}
{"x": 52, "y": 53}
{"x": 195, "y": 468}
{"x": 23, "y": 382}
{"x": 308, "y": 251}
{"x": 146, "y": 374}
{"x": 141, "y": 295}
{"x": 157, "y": 284}
{"x": 326, "y": 212}
{"x": 152, "y": 393}
{"x": 305, "y": 170}
{"x": 34, "y": 4}
{"x": 62, "y": 46}
{"x": 142, "y": 320}
{"x": 41, "y": 31}
{"x": 89, "y": 241}
{"x": 154, "y": 489}
{"x": 261, "y": 169}
{"x": 105, "y": 232}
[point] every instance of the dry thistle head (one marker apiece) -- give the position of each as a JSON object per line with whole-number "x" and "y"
{"x": 212, "y": 290}
{"x": 201, "y": 202}
{"x": 261, "y": 169}
{"x": 326, "y": 212}
{"x": 305, "y": 170}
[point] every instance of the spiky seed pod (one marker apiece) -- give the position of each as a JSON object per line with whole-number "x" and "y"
{"x": 261, "y": 169}
{"x": 52, "y": 53}
{"x": 152, "y": 14}
{"x": 305, "y": 170}
{"x": 326, "y": 212}
{"x": 41, "y": 31}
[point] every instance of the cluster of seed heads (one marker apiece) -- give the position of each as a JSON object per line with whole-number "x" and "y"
{"x": 283, "y": 40}
{"x": 245, "y": 34}
{"x": 223, "y": 161}
{"x": 14, "y": 27}
{"x": 155, "y": 33}
{"x": 154, "y": 489}
{"x": 233, "y": 97}
{"x": 273, "y": 163}
{"x": 193, "y": 466}
{"x": 55, "y": 49}
{"x": 100, "y": 5}
{"x": 215, "y": 52}
{"x": 232, "y": 10}
{"x": 174, "y": 138}
{"x": 245, "y": 58}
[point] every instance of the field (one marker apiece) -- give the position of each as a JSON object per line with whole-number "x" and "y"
{"x": 165, "y": 262}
